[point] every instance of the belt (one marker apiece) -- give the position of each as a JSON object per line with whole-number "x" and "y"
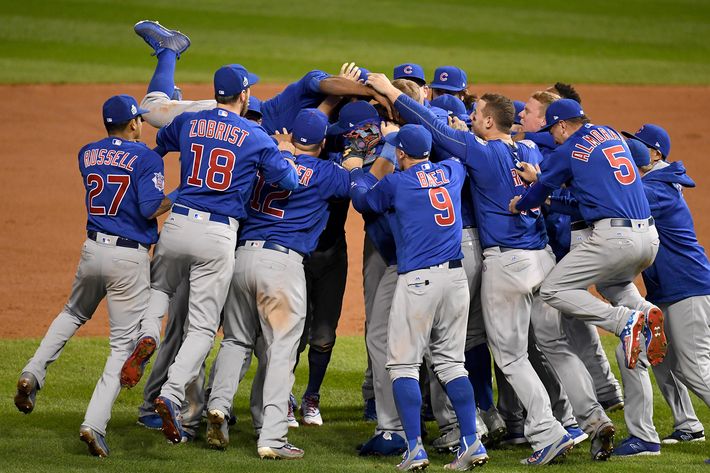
{"x": 505, "y": 249}
{"x": 123, "y": 242}
{"x": 468, "y": 227}
{"x": 625, "y": 222}
{"x": 454, "y": 263}
{"x": 579, "y": 225}
{"x": 179, "y": 209}
{"x": 270, "y": 245}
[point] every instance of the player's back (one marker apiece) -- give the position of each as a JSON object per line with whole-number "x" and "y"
{"x": 604, "y": 178}
{"x": 280, "y": 111}
{"x": 295, "y": 219}
{"x": 427, "y": 221}
{"x": 118, "y": 176}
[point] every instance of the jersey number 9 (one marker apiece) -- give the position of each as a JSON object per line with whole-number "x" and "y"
{"x": 441, "y": 200}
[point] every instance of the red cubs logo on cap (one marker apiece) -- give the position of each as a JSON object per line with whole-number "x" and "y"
{"x": 407, "y": 69}
{"x": 444, "y": 76}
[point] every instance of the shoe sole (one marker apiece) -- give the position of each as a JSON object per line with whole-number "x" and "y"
{"x": 418, "y": 466}
{"x": 311, "y": 423}
{"x": 614, "y": 407}
{"x": 473, "y": 464}
{"x": 170, "y": 430}
{"x": 90, "y": 440}
{"x": 639, "y": 454}
{"x": 496, "y": 436}
{"x": 155, "y": 30}
{"x": 215, "y": 437}
{"x": 633, "y": 350}
{"x": 132, "y": 370}
{"x": 658, "y": 345}
{"x": 23, "y": 398}
{"x": 674, "y": 441}
{"x": 267, "y": 453}
{"x": 146, "y": 426}
{"x": 606, "y": 435}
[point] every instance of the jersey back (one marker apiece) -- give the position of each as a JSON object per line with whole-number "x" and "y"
{"x": 280, "y": 111}
{"x": 118, "y": 176}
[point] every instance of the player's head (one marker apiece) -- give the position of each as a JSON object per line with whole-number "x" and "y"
{"x": 449, "y": 80}
{"x": 453, "y": 106}
{"x": 564, "y": 117}
{"x": 532, "y": 118}
{"x": 640, "y": 153}
{"x": 410, "y": 89}
{"x": 655, "y": 138}
{"x": 565, "y": 91}
{"x": 355, "y": 115}
{"x": 309, "y": 129}
{"x": 123, "y": 117}
{"x": 494, "y": 115}
{"x": 254, "y": 110}
{"x": 232, "y": 85}
{"x": 412, "y": 143}
{"x": 413, "y": 73}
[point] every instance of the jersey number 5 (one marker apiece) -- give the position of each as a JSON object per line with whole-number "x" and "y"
{"x": 441, "y": 200}
{"x": 96, "y": 184}
{"x": 625, "y": 170}
{"x": 219, "y": 168}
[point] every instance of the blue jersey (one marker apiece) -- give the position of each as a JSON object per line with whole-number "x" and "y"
{"x": 122, "y": 178}
{"x": 681, "y": 268}
{"x": 468, "y": 212}
{"x": 426, "y": 201}
{"x": 295, "y": 219}
{"x": 544, "y": 141}
{"x": 602, "y": 172}
{"x": 219, "y": 155}
{"x": 494, "y": 182}
{"x": 280, "y": 111}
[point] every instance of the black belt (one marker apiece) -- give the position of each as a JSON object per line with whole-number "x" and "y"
{"x": 123, "y": 242}
{"x": 625, "y": 222}
{"x": 578, "y": 225}
{"x": 270, "y": 245}
{"x": 179, "y": 209}
{"x": 468, "y": 227}
{"x": 454, "y": 263}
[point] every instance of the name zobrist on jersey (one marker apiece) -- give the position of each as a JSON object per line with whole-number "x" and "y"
{"x": 205, "y": 128}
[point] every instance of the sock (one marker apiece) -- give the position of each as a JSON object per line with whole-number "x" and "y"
{"x": 408, "y": 399}
{"x": 164, "y": 76}
{"x": 478, "y": 364}
{"x": 460, "y": 394}
{"x": 317, "y": 366}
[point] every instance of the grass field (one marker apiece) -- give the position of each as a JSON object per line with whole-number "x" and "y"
{"x": 605, "y": 41}
{"x": 47, "y": 440}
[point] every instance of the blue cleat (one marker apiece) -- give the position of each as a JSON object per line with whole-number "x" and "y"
{"x": 514, "y": 438}
{"x": 468, "y": 457}
{"x": 384, "y": 444}
{"x": 681, "y": 436}
{"x": 551, "y": 452}
{"x": 631, "y": 338}
{"x": 414, "y": 459}
{"x": 370, "y": 411}
{"x": 172, "y": 422}
{"x": 634, "y": 446}
{"x": 95, "y": 441}
{"x": 160, "y": 38}
{"x": 612, "y": 405}
{"x": 577, "y": 434}
{"x": 151, "y": 421}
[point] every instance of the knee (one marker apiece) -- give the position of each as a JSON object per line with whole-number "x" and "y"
{"x": 403, "y": 371}
{"x": 447, "y": 372}
{"x": 547, "y": 291}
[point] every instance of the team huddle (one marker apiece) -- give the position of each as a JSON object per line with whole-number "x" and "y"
{"x": 486, "y": 221}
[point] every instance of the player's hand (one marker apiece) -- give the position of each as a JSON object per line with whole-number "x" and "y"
{"x": 282, "y": 135}
{"x": 457, "y": 124}
{"x": 287, "y": 146}
{"x": 388, "y": 127}
{"x": 380, "y": 83}
{"x": 527, "y": 171}
{"x": 511, "y": 205}
{"x": 350, "y": 71}
{"x": 352, "y": 162}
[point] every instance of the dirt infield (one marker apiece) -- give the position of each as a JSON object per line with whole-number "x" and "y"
{"x": 41, "y": 196}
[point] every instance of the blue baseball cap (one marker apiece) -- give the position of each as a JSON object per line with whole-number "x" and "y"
{"x": 449, "y": 78}
{"x": 254, "y": 105}
{"x": 121, "y": 108}
{"x": 652, "y": 136}
{"x": 309, "y": 126}
{"x": 639, "y": 152}
{"x": 232, "y": 79}
{"x": 440, "y": 113}
{"x": 453, "y": 106}
{"x": 364, "y": 74}
{"x": 415, "y": 140}
{"x": 410, "y": 71}
{"x": 352, "y": 115}
{"x": 519, "y": 107}
{"x": 562, "y": 109}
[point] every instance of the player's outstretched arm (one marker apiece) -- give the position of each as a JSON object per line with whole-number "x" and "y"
{"x": 342, "y": 86}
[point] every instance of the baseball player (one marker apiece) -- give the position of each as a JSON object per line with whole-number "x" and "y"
{"x": 415, "y": 73}
{"x": 679, "y": 281}
{"x": 515, "y": 254}
{"x": 124, "y": 194}
{"x": 268, "y": 291}
{"x": 199, "y": 237}
{"x": 431, "y": 299}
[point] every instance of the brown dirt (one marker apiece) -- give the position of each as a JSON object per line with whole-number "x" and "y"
{"x": 41, "y": 197}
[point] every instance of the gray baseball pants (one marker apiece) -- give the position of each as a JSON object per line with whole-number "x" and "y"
{"x": 373, "y": 268}
{"x": 163, "y": 109}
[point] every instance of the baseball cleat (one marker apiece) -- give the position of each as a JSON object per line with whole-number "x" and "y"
{"x": 577, "y": 434}
{"x": 133, "y": 368}
{"x": 656, "y": 343}
{"x": 634, "y": 446}
{"x": 514, "y": 438}
{"x": 370, "y": 410}
{"x": 217, "y": 429}
{"x": 172, "y": 422}
{"x": 495, "y": 424}
{"x": 469, "y": 457}
{"x": 94, "y": 440}
{"x": 680, "y": 436}
{"x": 150, "y": 421}
{"x": 310, "y": 409}
{"x": 285, "y": 452}
{"x": 603, "y": 443}
{"x": 384, "y": 444}
{"x": 612, "y": 405}
{"x": 290, "y": 415}
{"x": 554, "y": 451}
{"x": 160, "y": 38}
{"x": 481, "y": 429}
{"x": 26, "y": 392}
{"x": 631, "y": 338}
{"x": 414, "y": 458}
{"x": 449, "y": 440}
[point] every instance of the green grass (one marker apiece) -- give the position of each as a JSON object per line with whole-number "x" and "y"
{"x": 518, "y": 41}
{"x": 47, "y": 440}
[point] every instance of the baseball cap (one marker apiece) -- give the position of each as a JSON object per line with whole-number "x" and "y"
{"x": 121, "y": 108}
{"x": 639, "y": 152}
{"x": 364, "y": 74}
{"x": 415, "y": 140}
{"x": 410, "y": 71}
{"x": 440, "y": 113}
{"x": 232, "y": 79}
{"x": 449, "y": 78}
{"x": 519, "y": 107}
{"x": 453, "y": 106}
{"x": 309, "y": 126}
{"x": 652, "y": 136}
{"x": 562, "y": 109}
{"x": 352, "y": 115}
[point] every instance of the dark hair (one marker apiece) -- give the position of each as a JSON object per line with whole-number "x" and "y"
{"x": 502, "y": 110}
{"x": 253, "y": 116}
{"x": 228, "y": 100}
{"x": 114, "y": 128}
{"x": 583, "y": 120}
{"x": 566, "y": 91}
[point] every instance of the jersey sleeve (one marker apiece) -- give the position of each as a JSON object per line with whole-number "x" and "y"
{"x": 168, "y": 138}
{"x": 335, "y": 181}
{"x": 272, "y": 161}
{"x": 151, "y": 183}
{"x": 310, "y": 83}
{"x": 377, "y": 199}
{"x": 556, "y": 169}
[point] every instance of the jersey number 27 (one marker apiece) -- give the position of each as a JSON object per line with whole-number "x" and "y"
{"x": 96, "y": 184}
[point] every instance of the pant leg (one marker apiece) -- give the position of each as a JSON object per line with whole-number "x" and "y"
{"x": 676, "y": 395}
{"x": 509, "y": 406}
{"x": 638, "y": 397}
{"x": 163, "y": 110}
{"x": 256, "y": 400}
{"x": 373, "y": 268}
